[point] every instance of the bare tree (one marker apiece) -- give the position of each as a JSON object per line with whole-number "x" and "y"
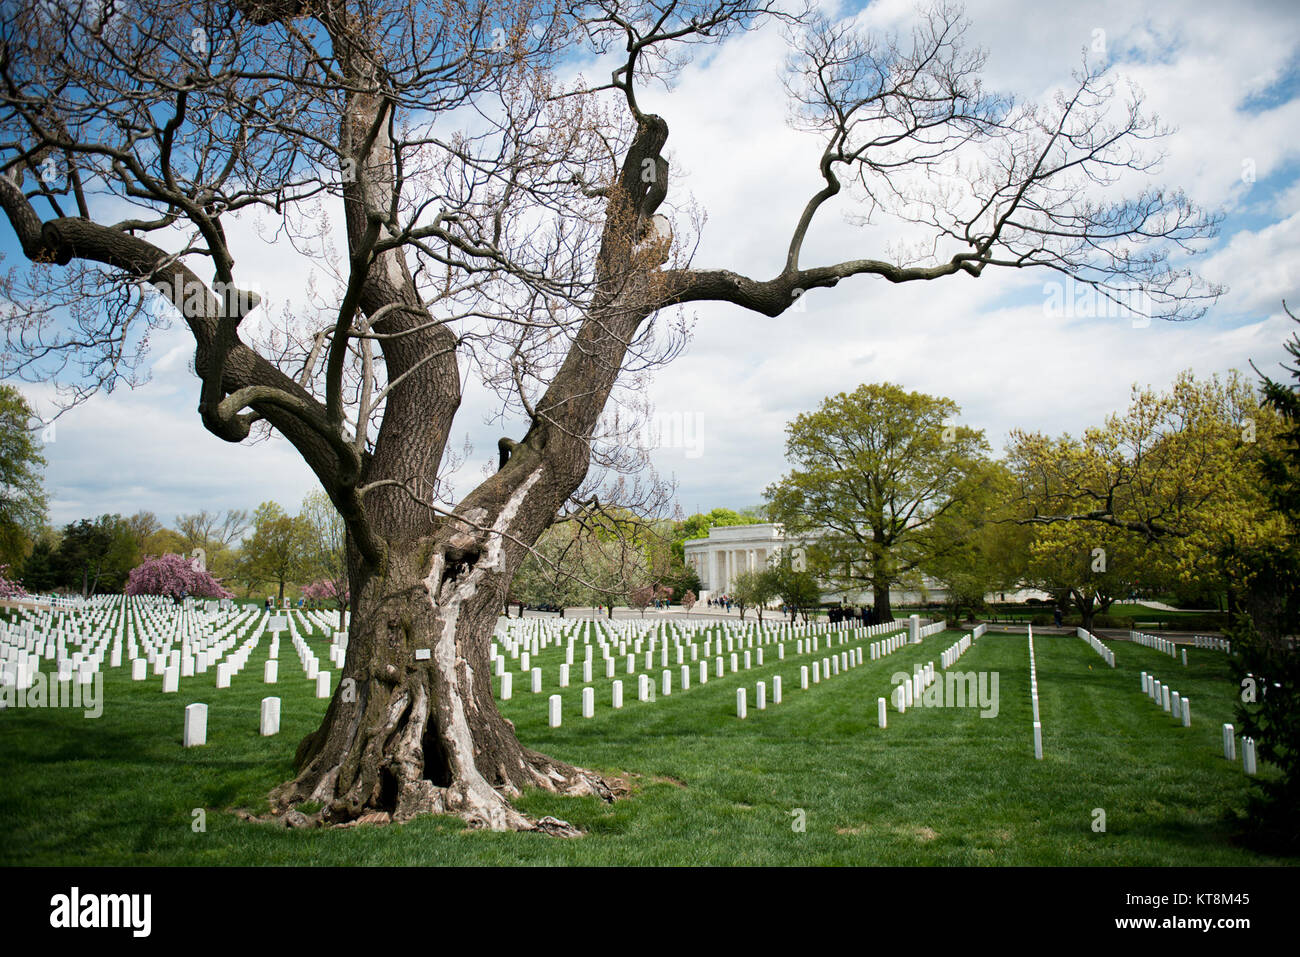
{"x": 499, "y": 221}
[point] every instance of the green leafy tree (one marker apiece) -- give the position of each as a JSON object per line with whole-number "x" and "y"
{"x": 874, "y": 470}
{"x": 753, "y": 589}
{"x": 698, "y": 525}
{"x": 144, "y": 525}
{"x": 1091, "y": 565}
{"x": 1178, "y": 470}
{"x": 39, "y": 572}
{"x": 790, "y": 581}
{"x": 95, "y": 556}
{"x": 975, "y": 549}
{"x": 164, "y": 541}
{"x": 276, "y": 553}
{"x": 22, "y": 495}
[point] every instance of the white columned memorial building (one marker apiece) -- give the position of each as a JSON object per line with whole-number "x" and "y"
{"x": 732, "y": 549}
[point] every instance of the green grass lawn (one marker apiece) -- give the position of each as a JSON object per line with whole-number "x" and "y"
{"x": 938, "y": 786}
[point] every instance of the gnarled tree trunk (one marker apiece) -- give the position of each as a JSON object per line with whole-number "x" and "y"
{"x": 413, "y": 727}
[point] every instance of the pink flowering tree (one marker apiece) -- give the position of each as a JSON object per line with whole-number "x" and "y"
{"x": 326, "y": 590}
{"x": 10, "y": 588}
{"x": 175, "y": 577}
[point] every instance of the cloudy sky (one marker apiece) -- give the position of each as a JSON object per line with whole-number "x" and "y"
{"x": 1226, "y": 77}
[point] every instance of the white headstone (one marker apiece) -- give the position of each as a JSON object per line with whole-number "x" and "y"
{"x": 196, "y": 725}
{"x": 270, "y": 723}
{"x": 553, "y": 711}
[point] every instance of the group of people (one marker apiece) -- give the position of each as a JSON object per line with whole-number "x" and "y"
{"x": 722, "y": 601}
{"x": 866, "y": 614}
{"x": 302, "y": 602}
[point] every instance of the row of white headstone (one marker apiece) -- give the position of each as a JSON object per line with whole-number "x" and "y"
{"x": 1211, "y": 642}
{"x": 887, "y": 646}
{"x": 1176, "y": 705}
{"x": 907, "y": 693}
{"x": 750, "y": 659}
{"x": 618, "y": 643}
{"x": 919, "y": 631}
{"x": 537, "y": 633}
{"x": 828, "y": 666}
{"x": 195, "y": 732}
{"x": 178, "y": 641}
{"x": 950, "y": 656}
{"x": 1154, "y": 641}
{"x": 820, "y": 670}
{"x": 101, "y": 630}
{"x": 1033, "y": 697}
{"x": 1095, "y": 643}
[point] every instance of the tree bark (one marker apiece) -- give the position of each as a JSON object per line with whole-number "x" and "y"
{"x": 408, "y": 734}
{"x": 880, "y": 593}
{"x": 1087, "y": 609}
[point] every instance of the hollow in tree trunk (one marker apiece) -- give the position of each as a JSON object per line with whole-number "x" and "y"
{"x": 409, "y": 734}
